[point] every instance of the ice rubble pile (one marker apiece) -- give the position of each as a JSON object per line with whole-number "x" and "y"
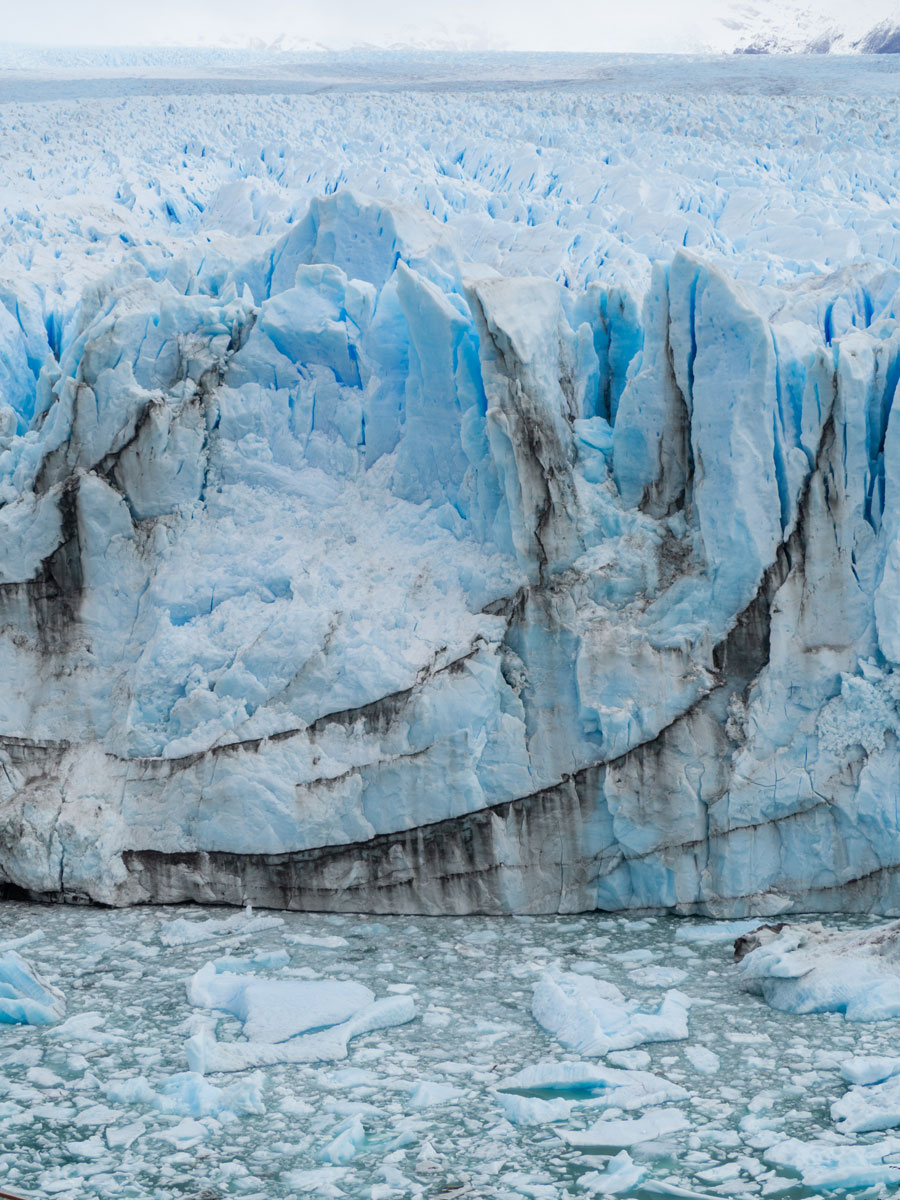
{"x": 347, "y": 571}
{"x": 806, "y": 969}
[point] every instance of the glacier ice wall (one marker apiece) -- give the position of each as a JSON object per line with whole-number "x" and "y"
{"x": 342, "y": 569}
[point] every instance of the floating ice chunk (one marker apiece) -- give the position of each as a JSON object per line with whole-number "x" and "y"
{"x": 720, "y": 931}
{"x": 120, "y": 1137}
{"x": 27, "y": 939}
{"x": 426, "y": 1094}
{"x": 582, "y": 1080}
{"x": 621, "y": 1174}
{"x": 321, "y": 1181}
{"x": 656, "y": 976}
{"x": 657, "y": 1188}
{"x": 833, "y": 1167}
{"x": 806, "y": 969}
{"x": 83, "y": 1028}
{"x": 579, "y": 1084}
{"x": 182, "y": 932}
{"x": 869, "y": 1068}
{"x": 267, "y": 960}
{"x": 702, "y": 1059}
{"x": 865, "y": 1109}
{"x": 189, "y": 1094}
{"x": 89, "y": 1148}
{"x": 184, "y": 1135}
{"x": 331, "y": 942}
{"x": 532, "y": 1110}
{"x": 273, "y": 1010}
{"x": 650, "y": 1126}
{"x": 629, "y": 1060}
{"x": 349, "y": 1141}
{"x": 26, "y": 998}
{"x": 592, "y": 1017}
{"x": 205, "y": 1054}
{"x": 96, "y": 1114}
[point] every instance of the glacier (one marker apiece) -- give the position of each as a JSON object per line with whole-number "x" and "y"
{"x": 454, "y": 500}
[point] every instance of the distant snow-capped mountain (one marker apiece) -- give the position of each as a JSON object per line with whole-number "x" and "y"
{"x": 796, "y": 27}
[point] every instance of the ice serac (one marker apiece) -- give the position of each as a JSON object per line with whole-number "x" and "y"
{"x": 345, "y": 573}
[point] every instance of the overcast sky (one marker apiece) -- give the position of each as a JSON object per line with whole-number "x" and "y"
{"x": 611, "y": 25}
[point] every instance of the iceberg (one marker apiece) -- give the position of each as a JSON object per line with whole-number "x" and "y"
{"x": 592, "y": 1017}
{"x": 206, "y": 1054}
{"x": 806, "y": 969}
{"x": 26, "y": 998}
{"x": 274, "y": 1010}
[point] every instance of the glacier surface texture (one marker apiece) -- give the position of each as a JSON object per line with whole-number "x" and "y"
{"x": 454, "y": 499}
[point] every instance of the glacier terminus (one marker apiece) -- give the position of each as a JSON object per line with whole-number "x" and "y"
{"x": 454, "y": 498}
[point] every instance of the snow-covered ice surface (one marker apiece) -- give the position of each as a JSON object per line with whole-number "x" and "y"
{"x": 471, "y": 1093}
{"x": 423, "y": 496}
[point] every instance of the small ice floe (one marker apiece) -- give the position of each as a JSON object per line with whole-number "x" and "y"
{"x": 657, "y": 976}
{"x": 86, "y": 1027}
{"x": 266, "y": 960}
{"x": 718, "y": 931}
{"x": 320, "y": 1181}
{"x": 629, "y": 1060}
{"x": 578, "y": 1085}
{"x": 349, "y": 1140}
{"x": 605, "y": 1133}
{"x": 182, "y": 932}
{"x": 702, "y": 1059}
{"x": 873, "y": 1103}
{"x": 273, "y": 1010}
{"x": 329, "y": 942}
{"x": 26, "y": 998}
{"x": 592, "y": 1016}
{"x": 183, "y": 1136}
{"x": 805, "y": 968}
{"x": 832, "y": 1167}
{"x": 17, "y": 943}
{"x": 869, "y": 1068}
{"x": 658, "y": 1188}
{"x": 427, "y": 1094}
{"x": 206, "y": 1054}
{"x": 621, "y": 1175}
{"x": 190, "y": 1095}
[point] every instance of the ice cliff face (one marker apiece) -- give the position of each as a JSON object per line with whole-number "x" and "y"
{"x": 340, "y": 571}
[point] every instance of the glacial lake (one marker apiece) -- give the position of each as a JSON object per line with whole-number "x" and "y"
{"x": 420, "y": 1099}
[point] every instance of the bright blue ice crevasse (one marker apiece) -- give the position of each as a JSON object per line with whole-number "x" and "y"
{"x": 349, "y": 574}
